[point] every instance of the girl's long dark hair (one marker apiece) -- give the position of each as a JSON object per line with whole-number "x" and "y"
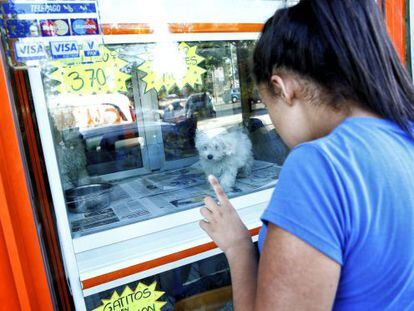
{"x": 344, "y": 46}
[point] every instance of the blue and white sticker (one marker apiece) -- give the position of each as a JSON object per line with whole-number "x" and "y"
{"x": 22, "y": 28}
{"x": 29, "y": 51}
{"x": 84, "y": 26}
{"x": 49, "y": 8}
{"x": 64, "y": 49}
{"x": 91, "y": 49}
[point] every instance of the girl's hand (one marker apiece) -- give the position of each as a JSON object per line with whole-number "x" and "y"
{"x": 222, "y": 223}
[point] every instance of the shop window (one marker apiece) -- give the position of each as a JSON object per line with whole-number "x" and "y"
{"x": 132, "y": 155}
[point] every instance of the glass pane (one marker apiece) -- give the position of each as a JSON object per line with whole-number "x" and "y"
{"x": 212, "y": 103}
{"x": 189, "y": 109}
{"x": 94, "y": 134}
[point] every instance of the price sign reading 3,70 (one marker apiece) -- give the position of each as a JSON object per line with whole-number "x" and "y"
{"x": 91, "y": 77}
{"x": 103, "y": 76}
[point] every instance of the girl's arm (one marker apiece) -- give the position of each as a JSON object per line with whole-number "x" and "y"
{"x": 225, "y": 227}
{"x": 243, "y": 268}
{"x": 291, "y": 273}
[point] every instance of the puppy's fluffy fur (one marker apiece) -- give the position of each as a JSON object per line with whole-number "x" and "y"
{"x": 225, "y": 154}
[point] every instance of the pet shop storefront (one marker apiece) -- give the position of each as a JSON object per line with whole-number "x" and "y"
{"x": 113, "y": 112}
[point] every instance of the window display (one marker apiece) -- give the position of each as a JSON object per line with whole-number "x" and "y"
{"x": 170, "y": 114}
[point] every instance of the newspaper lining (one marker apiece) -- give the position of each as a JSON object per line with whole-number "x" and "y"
{"x": 165, "y": 193}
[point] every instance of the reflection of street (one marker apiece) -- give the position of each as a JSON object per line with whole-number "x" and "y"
{"x": 230, "y": 117}
{"x": 220, "y": 121}
{"x": 227, "y": 107}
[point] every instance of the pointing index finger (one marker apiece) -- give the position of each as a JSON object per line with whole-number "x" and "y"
{"x": 221, "y": 195}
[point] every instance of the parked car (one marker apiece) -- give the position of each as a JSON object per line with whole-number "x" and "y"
{"x": 200, "y": 105}
{"x": 255, "y": 97}
{"x": 235, "y": 95}
{"x": 173, "y": 111}
{"x": 167, "y": 100}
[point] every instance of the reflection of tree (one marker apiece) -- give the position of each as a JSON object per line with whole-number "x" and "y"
{"x": 247, "y": 87}
{"x": 248, "y": 92}
{"x": 217, "y": 55}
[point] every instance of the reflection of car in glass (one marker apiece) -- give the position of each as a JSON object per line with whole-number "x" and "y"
{"x": 112, "y": 148}
{"x": 103, "y": 114}
{"x": 117, "y": 147}
{"x": 235, "y": 95}
{"x": 200, "y": 105}
{"x": 94, "y": 110}
{"x": 171, "y": 96}
{"x": 255, "y": 97}
{"x": 173, "y": 111}
{"x": 178, "y": 137}
{"x": 167, "y": 100}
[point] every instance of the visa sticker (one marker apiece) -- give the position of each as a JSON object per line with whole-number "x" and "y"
{"x": 64, "y": 49}
{"x": 84, "y": 26}
{"x": 54, "y": 27}
{"x": 29, "y": 51}
{"x": 91, "y": 49}
{"x": 22, "y": 28}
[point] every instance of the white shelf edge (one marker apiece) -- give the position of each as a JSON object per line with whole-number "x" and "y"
{"x": 157, "y": 270}
{"x": 115, "y": 235}
{"x": 191, "y": 238}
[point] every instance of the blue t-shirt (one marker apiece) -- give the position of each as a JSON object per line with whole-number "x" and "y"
{"x": 350, "y": 195}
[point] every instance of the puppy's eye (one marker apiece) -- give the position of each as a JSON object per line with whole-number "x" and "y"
{"x": 215, "y": 146}
{"x": 205, "y": 148}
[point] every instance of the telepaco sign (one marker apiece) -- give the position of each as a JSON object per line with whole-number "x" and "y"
{"x": 143, "y": 298}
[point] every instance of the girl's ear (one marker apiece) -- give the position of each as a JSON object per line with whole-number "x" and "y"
{"x": 283, "y": 86}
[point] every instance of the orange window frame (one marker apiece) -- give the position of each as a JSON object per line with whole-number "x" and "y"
{"x": 395, "y": 16}
{"x": 25, "y": 286}
{"x": 24, "y": 283}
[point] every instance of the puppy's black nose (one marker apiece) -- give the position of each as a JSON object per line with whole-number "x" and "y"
{"x": 210, "y": 156}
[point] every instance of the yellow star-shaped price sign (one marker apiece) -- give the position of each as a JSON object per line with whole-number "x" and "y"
{"x": 142, "y": 298}
{"x": 191, "y": 76}
{"x": 101, "y": 76}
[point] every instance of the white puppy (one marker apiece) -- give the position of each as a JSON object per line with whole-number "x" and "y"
{"x": 225, "y": 154}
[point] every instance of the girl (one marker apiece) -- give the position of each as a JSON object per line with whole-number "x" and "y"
{"x": 339, "y": 230}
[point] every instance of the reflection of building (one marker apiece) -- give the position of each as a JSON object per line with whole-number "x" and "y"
{"x": 147, "y": 234}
